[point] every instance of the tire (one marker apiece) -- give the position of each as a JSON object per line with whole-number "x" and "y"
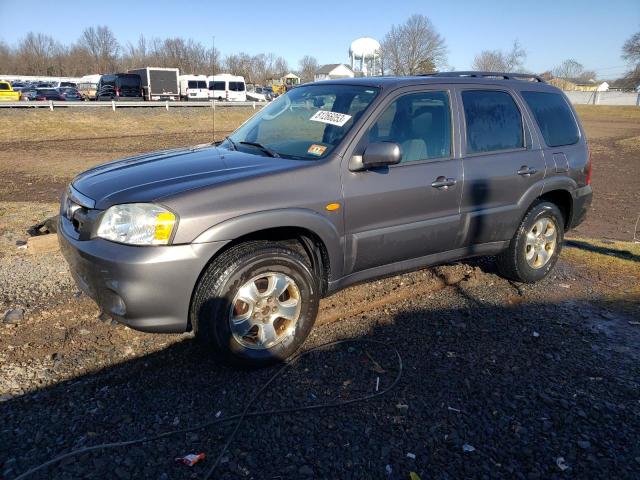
{"x": 530, "y": 257}
{"x": 216, "y": 301}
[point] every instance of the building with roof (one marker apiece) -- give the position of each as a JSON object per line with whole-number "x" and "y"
{"x": 332, "y": 71}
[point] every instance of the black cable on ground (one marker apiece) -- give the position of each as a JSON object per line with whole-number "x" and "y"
{"x": 239, "y": 416}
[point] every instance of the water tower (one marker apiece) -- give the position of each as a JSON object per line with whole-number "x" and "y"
{"x": 365, "y": 56}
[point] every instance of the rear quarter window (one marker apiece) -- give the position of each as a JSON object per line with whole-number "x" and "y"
{"x": 554, "y": 117}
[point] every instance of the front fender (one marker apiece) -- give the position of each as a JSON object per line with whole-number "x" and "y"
{"x": 288, "y": 218}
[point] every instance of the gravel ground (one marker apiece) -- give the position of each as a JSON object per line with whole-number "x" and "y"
{"x": 500, "y": 381}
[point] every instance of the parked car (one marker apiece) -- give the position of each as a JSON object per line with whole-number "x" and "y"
{"x": 227, "y": 87}
{"x": 7, "y": 94}
{"x": 49, "y": 94}
{"x": 193, "y": 87}
{"x": 257, "y": 94}
{"x": 88, "y": 89}
{"x": 70, "y": 94}
{"x": 28, "y": 93}
{"x": 331, "y": 184}
{"x": 119, "y": 87}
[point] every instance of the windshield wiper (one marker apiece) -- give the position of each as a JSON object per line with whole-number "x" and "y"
{"x": 266, "y": 150}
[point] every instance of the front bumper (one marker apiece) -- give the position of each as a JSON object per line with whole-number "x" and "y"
{"x": 146, "y": 288}
{"x": 581, "y": 202}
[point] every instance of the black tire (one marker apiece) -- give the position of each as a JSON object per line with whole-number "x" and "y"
{"x": 512, "y": 263}
{"x": 214, "y": 294}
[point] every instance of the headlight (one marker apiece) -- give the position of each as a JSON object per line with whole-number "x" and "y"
{"x": 137, "y": 224}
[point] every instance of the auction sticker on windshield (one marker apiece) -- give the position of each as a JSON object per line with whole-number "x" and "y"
{"x": 332, "y": 118}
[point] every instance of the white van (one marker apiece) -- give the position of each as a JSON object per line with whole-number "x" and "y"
{"x": 193, "y": 87}
{"x": 227, "y": 87}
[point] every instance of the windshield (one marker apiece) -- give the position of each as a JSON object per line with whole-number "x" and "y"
{"x": 306, "y": 123}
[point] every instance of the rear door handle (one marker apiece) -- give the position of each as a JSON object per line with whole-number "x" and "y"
{"x": 443, "y": 183}
{"x": 526, "y": 171}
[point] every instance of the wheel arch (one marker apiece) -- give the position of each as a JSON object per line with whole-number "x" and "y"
{"x": 315, "y": 234}
{"x": 563, "y": 200}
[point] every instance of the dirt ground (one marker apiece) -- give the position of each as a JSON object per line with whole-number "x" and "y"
{"x": 499, "y": 380}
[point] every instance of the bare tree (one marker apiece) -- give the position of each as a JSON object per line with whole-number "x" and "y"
{"x": 631, "y": 49}
{"x": 135, "y": 55}
{"x": 281, "y": 67}
{"x": 187, "y": 55}
{"x": 103, "y": 47}
{"x": 571, "y": 69}
{"x": 7, "y": 58}
{"x": 35, "y": 54}
{"x": 308, "y": 66}
{"x": 214, "y": 61}
{"x": 414, "y": 47}
{"x": 499, "y": 61}
{"x": 631, "y": 53}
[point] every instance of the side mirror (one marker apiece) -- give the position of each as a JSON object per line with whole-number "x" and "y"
{"x": 378, "y": 154}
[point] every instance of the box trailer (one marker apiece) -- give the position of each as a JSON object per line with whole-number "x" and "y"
{"x": 159, "y": 83}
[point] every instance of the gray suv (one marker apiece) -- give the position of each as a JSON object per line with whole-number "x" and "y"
{"x": 334, "y": 183}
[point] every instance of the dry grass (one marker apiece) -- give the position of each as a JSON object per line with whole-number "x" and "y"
{"x": 28, "y": 125}
{"x": 616, "y": 259}
{"x": 613, "y": 265}
{"x": 631, "y": 143}
{"x": 599, "y": 112}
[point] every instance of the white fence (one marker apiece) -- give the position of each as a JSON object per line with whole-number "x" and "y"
{"x": 113, "y": 105}
{"x": 603, "y": 98}
{"x": 576, "y": 97}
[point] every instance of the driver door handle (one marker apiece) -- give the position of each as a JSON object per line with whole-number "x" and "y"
{"x": 443, "y": 183}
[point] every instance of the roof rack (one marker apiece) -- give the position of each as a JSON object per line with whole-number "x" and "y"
{"x": 502, "y": 75}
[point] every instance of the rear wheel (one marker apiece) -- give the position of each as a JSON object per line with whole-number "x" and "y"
{"x": 535, "y": 247}
{"x": 256, "y": 303}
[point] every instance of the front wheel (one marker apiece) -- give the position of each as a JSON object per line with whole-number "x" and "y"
{"x": 536, "y": 245}
{"x": 256, "y": 303}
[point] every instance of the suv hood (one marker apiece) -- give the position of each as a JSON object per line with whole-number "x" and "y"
{"x": 152, "y": 176}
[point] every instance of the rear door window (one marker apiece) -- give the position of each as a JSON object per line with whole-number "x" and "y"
{"x": 216, "y": 86}
{"x": 493, "y": 121}
{"x": 129, "y": 82}
{"x": 554, "y": 117}
{"x": 236, "y": 86}
{"x": 420, "y": 123}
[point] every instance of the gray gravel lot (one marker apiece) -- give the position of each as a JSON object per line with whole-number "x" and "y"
{"x": 499, "y": 381}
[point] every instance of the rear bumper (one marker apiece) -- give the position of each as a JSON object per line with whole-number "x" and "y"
{"x": 146, "y": 288}
{"x": 581, "y": 202}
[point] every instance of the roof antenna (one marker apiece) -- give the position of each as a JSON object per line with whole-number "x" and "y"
{"x": 213, "y": 81}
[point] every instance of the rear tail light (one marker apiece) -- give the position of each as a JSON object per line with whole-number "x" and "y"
{"x": 117, "y": 92}
{"x": 589, "y": 169}
{"x": 226, "y": 94}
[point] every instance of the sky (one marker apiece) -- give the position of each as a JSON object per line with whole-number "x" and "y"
{"x": 550, "y": 31}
